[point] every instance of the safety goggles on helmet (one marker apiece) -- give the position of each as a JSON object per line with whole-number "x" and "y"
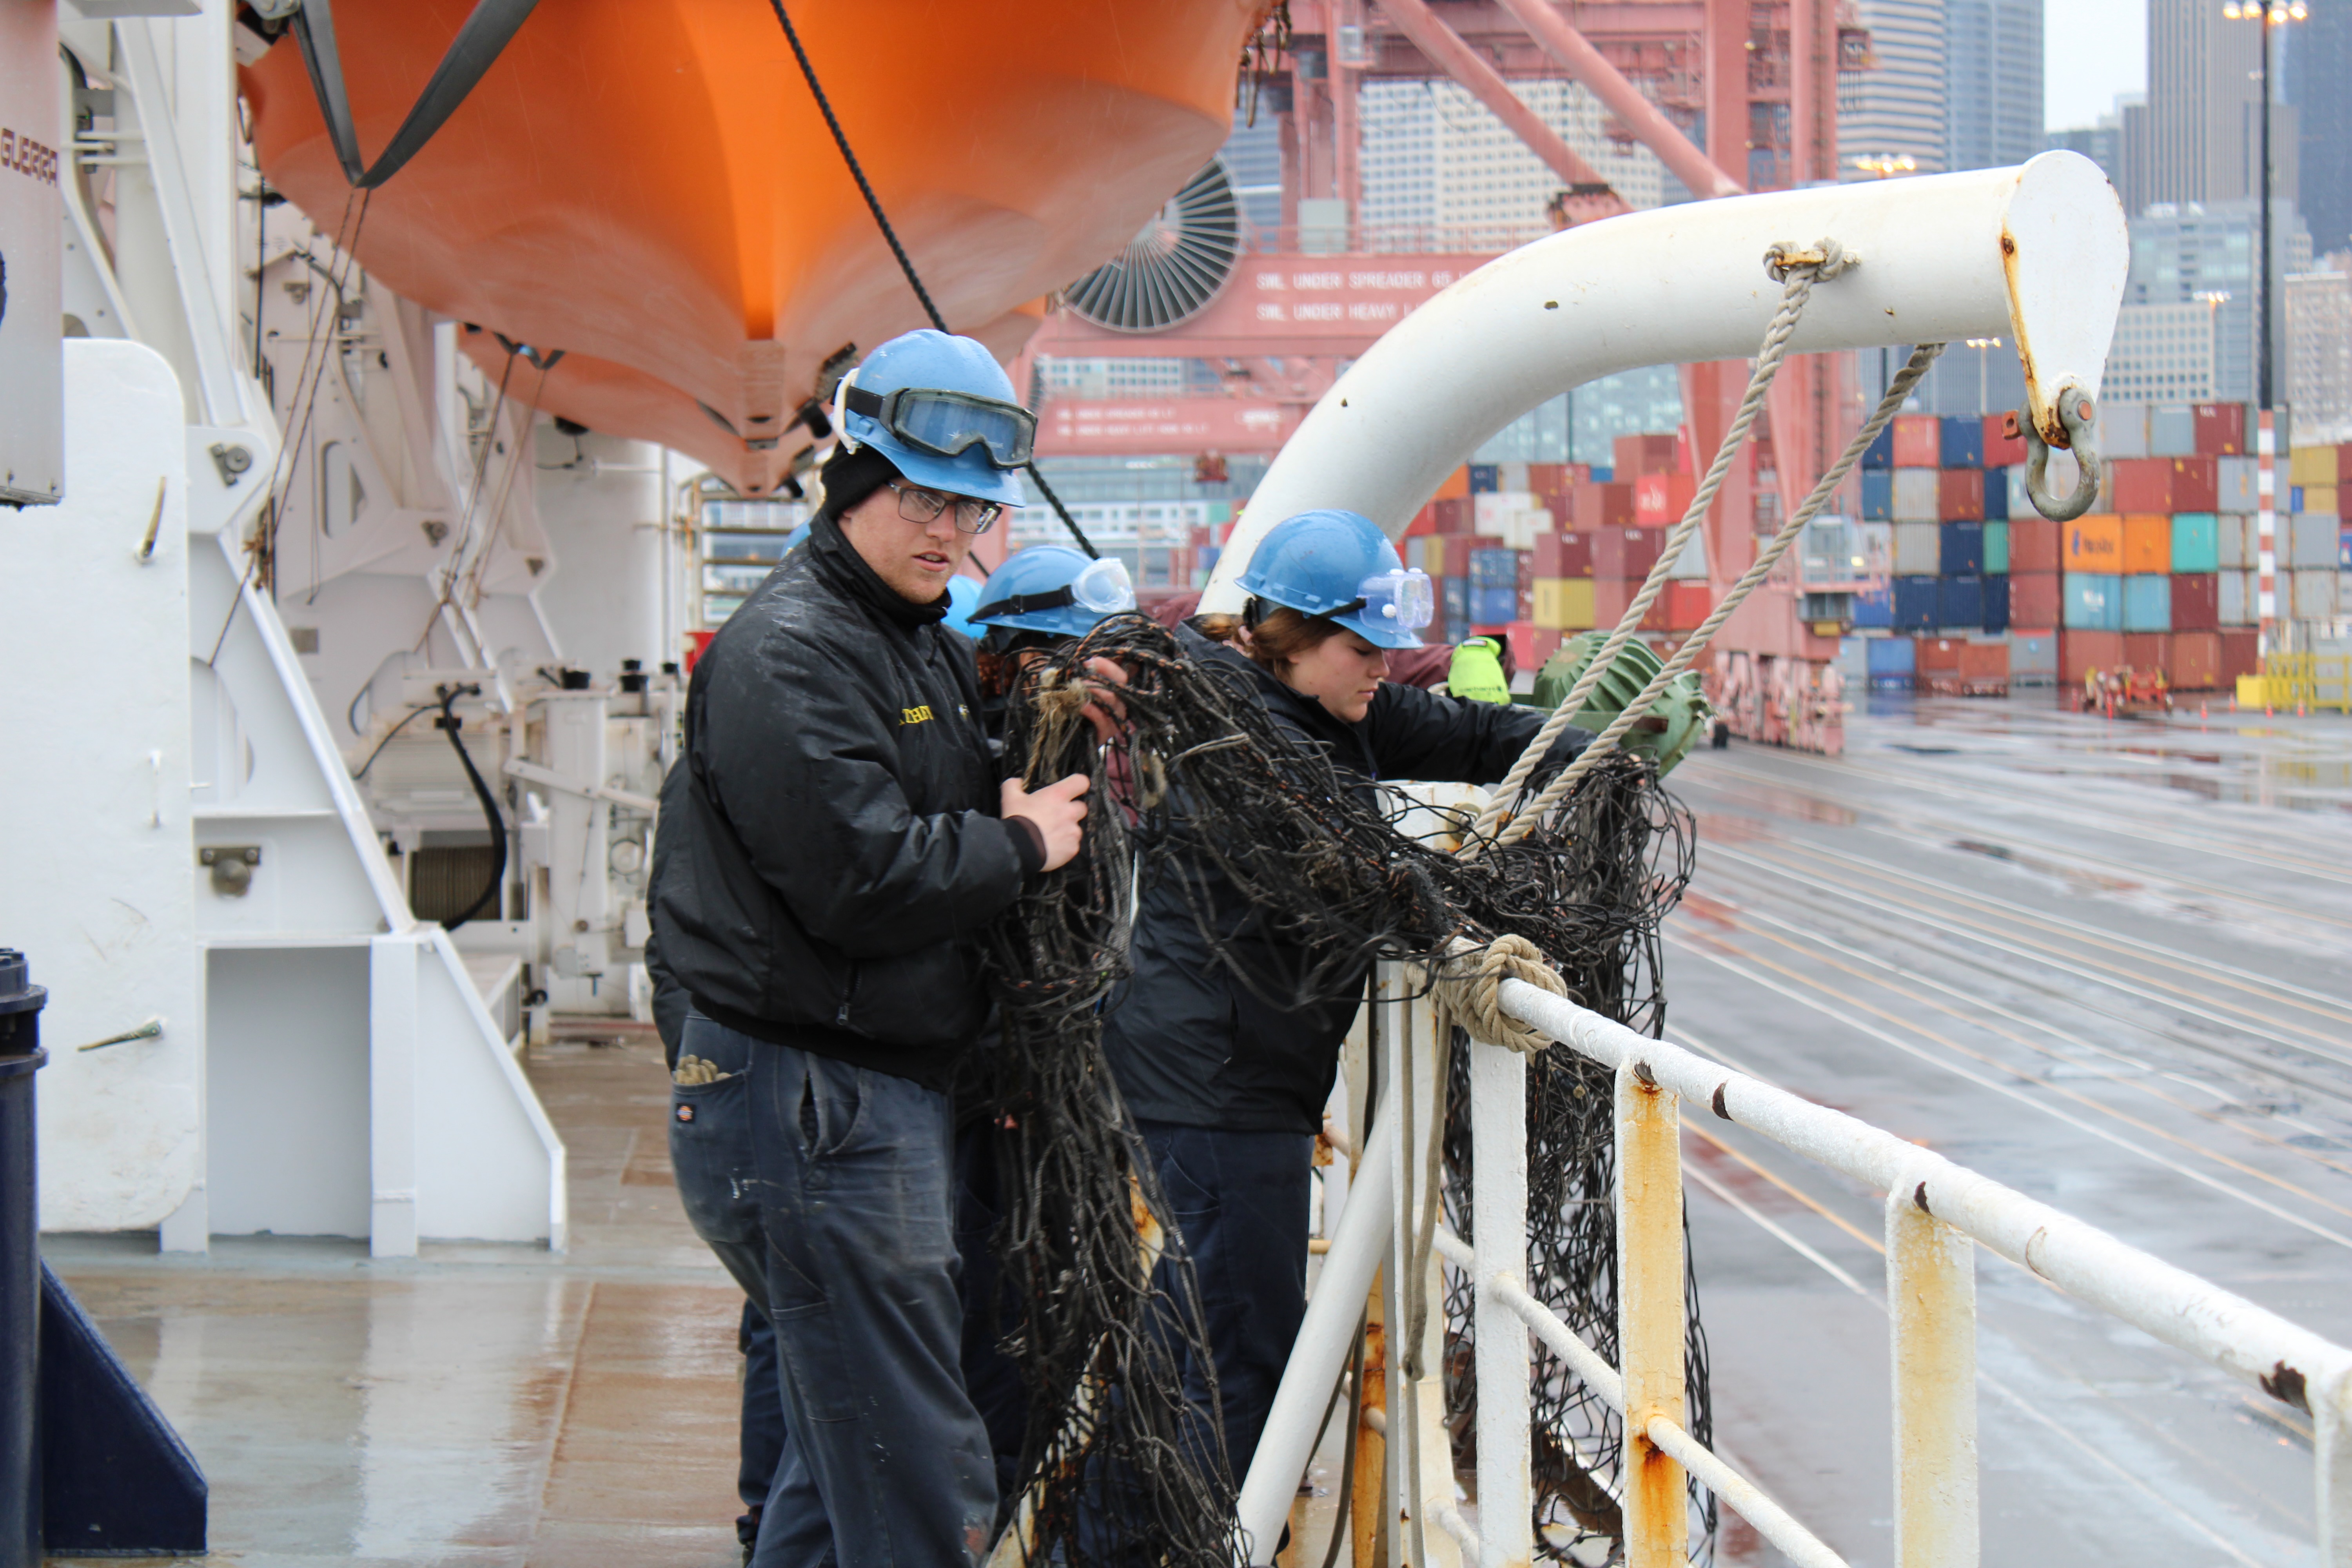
{"x": 1403, "y": 598}
{"x": 949, "y": 424}
{"x": 1103, "y": 587}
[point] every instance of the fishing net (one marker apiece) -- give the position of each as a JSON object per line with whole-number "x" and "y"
{"x": 1205, "y": 788}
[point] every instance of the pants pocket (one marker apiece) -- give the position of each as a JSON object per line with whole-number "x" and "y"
{"x": 832, "y": 1107}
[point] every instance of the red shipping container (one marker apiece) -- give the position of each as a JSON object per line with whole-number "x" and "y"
{"x": 2032, "y": 595}
{"x": 2196, "y": 602}
{"x": 2002, "y": 451}
{"x": 2196, "y": 485}
{"x": 1660, "y": 499}
{"x": 1423, "y": 523}
{"x": 1984, "y": 668}
{"x": 2145, "y": 651}
{"x": 1560, "y": 554}
{"x": 1602, "y": 506}
{"x": 1686, "y": 604}
{"x": 1918, "y": 441}
{"x": 2033, "y": 547}
{"x": 2220, "y": 430}
{"x": 1938, "y": 655}
{"x": 1639, "y": 454}
{"x": 2242, "y": 654}
{"x": 2143, "y": 484}
{"x": 1625, "y": 555}
{"x": 1610, "y": 597}
{"x": 2082, "y": 652}
{"x": 1454, "y": 514}
{"x": 1959, "y": 495}
{"x": 2195, "y": 661}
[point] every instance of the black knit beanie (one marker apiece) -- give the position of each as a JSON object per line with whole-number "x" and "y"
{"x": 850, "y": 477}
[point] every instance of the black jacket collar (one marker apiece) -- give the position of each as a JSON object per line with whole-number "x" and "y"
{"x": 836, "y": 560}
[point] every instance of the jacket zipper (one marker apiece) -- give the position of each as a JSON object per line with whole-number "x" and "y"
{"x": 848, "y": 991}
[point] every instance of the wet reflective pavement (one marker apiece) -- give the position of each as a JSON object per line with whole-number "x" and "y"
{"x": 2108, "y": 962}
{"x": 489, "y": 1405}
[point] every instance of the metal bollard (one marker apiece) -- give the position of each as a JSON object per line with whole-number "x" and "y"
{"x": 20, "y": 1267}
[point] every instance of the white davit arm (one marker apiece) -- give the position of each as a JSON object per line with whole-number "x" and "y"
{"x": 2039, "y": 253}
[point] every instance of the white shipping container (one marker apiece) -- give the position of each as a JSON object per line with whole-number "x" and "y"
{"x": 1491, "y": 514}
{"x": 2122, "y": 430}
{"x": 2233, "y": 541}
{"x": 2172, "y": 431}
{"x": 1919, "y": 549}
{"x": 2315, "y": 594}
{"x": 1692, "y": 563}
{"x": 2313, "y": 543}
{"x": 2239, "y": 604}
{"x": 1526, "y": 527}
{"x": 2240, "y": 480}
{"x": 2032, "y": 658}
{"x": 1914, "y": 495}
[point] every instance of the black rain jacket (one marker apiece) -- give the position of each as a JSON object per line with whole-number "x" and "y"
{"x": 1192, "y": 1044}
{"x": 822, "y": 882}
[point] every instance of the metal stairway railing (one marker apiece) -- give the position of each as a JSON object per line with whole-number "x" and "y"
{"x": 1935, "y": 1210}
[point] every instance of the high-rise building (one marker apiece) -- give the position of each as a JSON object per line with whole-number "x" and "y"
{"x": 2319, "y": 382}
{"x": 2318, "y": 65}
{"x": 1441, "y": 172}
{"x": 2164, "y": 353}
{"x": 2119, "y": 145}
{"x": 1992, "y": 75}
{"x": 1895, "y": 110}
{"x": 2203, "y": 253}
{"x": 2203, "y": 99}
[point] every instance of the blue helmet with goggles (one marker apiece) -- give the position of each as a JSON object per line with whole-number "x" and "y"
{"x": 943, "y": 410}
{"x": 1053, "y": 590}
{"x": 963, "y": 597}
{"x": 1340, "y": 566}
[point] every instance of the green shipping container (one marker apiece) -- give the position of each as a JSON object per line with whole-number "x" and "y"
{"x": 1996, "y": 548}
{"x": 2196, "y": 543}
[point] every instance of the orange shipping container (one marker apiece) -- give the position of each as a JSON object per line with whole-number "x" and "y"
{"x": 1938, "y": 654}
{"x": 2095, "y": 543}
{"x": 1687, "y": 605}
{"x": 1661, "y": 500}
{"x": 2146, "y": 543}
{"x": 1456, "y": 488}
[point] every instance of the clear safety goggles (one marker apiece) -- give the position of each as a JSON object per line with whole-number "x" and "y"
{"x": 949, "y": 424}
{"x": 1103, "y": 587}
{"x": 1404, "y": 598}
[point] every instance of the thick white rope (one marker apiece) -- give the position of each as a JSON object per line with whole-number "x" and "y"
{"x": 1799, "y": 271}
{"x": 1525, "y": 821}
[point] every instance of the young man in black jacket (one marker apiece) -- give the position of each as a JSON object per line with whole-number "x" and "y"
{"x": 844, "y": 839}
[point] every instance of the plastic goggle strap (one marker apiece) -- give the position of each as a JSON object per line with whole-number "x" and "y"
{"x": 1025, "y": 603}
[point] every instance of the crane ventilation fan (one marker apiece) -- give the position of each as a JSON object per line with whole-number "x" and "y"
{"x": 1173, "y": 267}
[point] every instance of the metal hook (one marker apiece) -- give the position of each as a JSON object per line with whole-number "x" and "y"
{"x": 2080, "y": 420}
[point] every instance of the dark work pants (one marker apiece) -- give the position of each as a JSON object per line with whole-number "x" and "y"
{"x": 710, "y": 1152}
{"x": 990, "y": 1310}
{"x": 1240, "y": 1202}
{"x": 889, "y": 1465}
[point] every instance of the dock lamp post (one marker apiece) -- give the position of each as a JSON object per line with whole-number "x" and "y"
{"x": 2272, "y": 15}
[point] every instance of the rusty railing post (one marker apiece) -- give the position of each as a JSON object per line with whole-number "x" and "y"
{"x": 1499, "y": 1132}
{"x": 1931, "y": 1300}
{"x": 1421, "y": 1449}
{"x": 1650, "y": 1326}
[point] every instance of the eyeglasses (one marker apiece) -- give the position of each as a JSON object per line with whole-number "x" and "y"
{"x": 919, "y": 505}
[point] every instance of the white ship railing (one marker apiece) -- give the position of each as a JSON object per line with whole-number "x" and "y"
{"x": 1935, "y": 1211}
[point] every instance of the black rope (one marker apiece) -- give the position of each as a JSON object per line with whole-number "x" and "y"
{"x": 906, "y": 262}
{"x": 450, "y": 722}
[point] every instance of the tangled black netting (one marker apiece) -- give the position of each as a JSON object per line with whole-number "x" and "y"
{"x": 1206, "y": 788}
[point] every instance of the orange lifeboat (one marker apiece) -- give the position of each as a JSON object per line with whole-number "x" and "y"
{"x": 648, "y": 186}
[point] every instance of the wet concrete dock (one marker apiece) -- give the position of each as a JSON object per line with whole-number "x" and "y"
{"x": 2103, "y": 962}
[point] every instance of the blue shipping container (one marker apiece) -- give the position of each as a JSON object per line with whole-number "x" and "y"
{"x": 1485, "y": 478}
{"x": 1996, "y": 601}
{"x": 2196, "y": 543}
{"x": 2147, "y": 603}
{"x": 1494, "y": 568}
{"x": 1873, "y": 609}
{"x": 1963, "y": 441}
{"x": 1914, "y": 603}
{"x": 1996, "y": 495}
{"x": 1880, "y": 454}
{"x": 1457, "y": 602}
{"x": 1961, "y": 553}
{"x": 1959, "y": 603}
{"x": 1878, "y": 495}
{"x": 2092, "y": 602}
{"x": 1996, "y": 551}
{"x": 1891, "y": 660}
{"x": 1494, "y": 607}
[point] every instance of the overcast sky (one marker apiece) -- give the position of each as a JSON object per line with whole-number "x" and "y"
{"x": 2092, "y": 50}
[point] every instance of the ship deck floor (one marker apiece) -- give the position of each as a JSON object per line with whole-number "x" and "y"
{"x": 2103, "y": 961}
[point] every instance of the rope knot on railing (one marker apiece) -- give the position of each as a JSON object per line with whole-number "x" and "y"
{"x": 1827, "y": 258}
{"x": 1470, "y": 991}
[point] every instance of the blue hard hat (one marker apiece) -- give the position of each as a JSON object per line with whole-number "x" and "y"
{"x": 1340, "y": 566}
{"x": 1054, "y": 589}
{"x": 943, "y": 410}
{"x": 963, "y": 597}
{"x": 794, "y": 539}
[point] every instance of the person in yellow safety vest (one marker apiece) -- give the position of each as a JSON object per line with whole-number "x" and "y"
{"x": 1477, "y": 674}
